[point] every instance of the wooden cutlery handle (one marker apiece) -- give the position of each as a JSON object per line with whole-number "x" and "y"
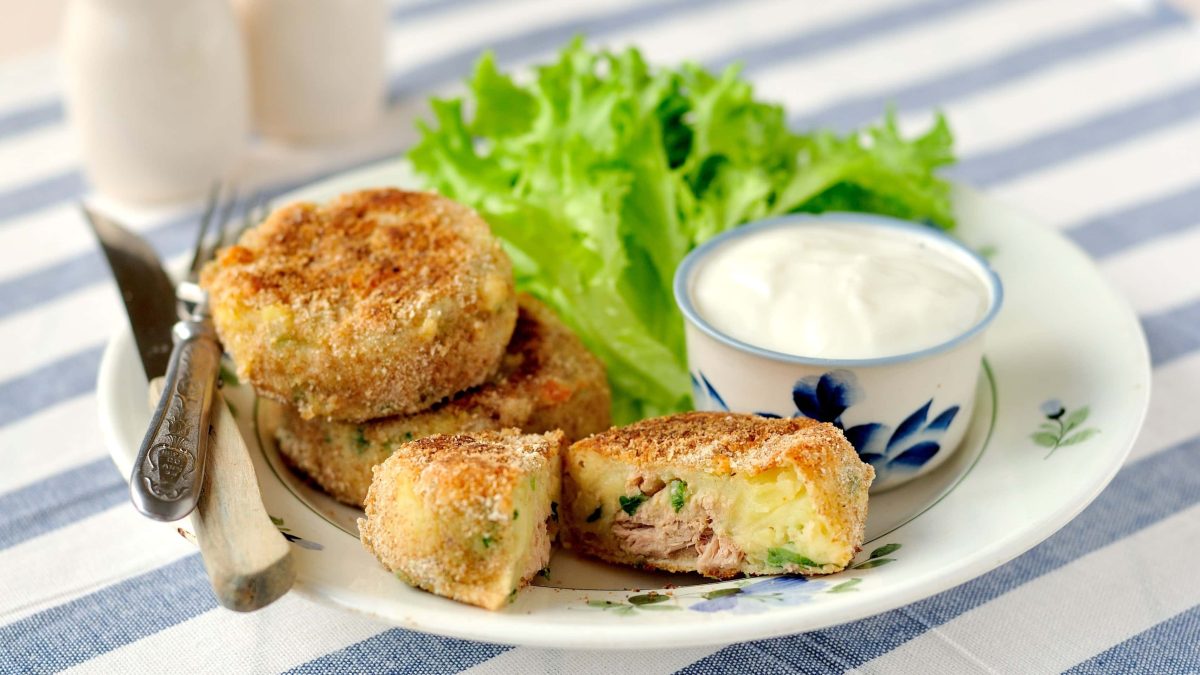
{"x": 248, "y": 561}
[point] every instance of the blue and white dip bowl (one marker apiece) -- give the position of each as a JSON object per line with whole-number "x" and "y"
{"x": 873, "y": 324}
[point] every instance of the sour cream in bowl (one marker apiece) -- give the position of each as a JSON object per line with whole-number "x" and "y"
{"x": 873, "y": 324}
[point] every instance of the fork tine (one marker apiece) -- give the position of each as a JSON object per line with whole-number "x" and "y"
{"x": 223, "y": 224}
{"x": 256, "y": 211}
{"x": 210, "y": 209}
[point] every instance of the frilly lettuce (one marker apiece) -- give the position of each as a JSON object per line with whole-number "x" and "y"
{"x": 600, "y": 173}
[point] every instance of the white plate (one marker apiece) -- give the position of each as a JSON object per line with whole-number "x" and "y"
{"x": 1063, "y": 335}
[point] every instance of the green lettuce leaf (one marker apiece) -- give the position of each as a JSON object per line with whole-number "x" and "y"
{"x": 600, "y": 173}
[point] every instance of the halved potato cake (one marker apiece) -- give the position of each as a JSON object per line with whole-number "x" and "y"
{"x": 383, "y": 302}
{"x": 547, "y": 380}
{"x": 468, "y": 517}
{"x": 719, "y": 494}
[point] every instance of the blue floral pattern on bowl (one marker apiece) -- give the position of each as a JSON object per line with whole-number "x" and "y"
{"x": 826, "y": 398}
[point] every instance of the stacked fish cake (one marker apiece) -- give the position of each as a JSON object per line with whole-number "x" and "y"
{"x": 388, "y": 316}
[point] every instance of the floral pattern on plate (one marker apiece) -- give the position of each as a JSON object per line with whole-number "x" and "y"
{"x": 746, "y": 596}
{"x": 1061, "y": 427}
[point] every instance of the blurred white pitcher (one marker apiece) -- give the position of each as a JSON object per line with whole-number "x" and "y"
{"x": 157, "y": 94}
{"x": 316, "y": 66}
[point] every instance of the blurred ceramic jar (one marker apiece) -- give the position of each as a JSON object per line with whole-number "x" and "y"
{"x": 316, "y": 66}
{"x": 157, "y": 94}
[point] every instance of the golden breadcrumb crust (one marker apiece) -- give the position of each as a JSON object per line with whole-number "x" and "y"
{"x": 443, "y": 512}
{"x": 547, "y": 380}
{"x": 382, "y": 302}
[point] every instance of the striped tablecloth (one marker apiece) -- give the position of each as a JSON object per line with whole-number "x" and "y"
{"x": 1084, "y": 112}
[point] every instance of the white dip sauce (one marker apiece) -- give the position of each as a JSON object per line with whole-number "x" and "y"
{"x": 838, "y": 291}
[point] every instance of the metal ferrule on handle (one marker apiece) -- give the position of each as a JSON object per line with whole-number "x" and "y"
{"x": 169, "y": 469}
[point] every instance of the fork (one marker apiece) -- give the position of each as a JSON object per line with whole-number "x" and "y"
{"x": 205, "y": 248}
{"x": 248, "y": 561}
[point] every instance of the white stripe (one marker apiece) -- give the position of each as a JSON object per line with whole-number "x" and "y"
{"x": 29, "y": 80}
{"x": 53, "y": 330}
{"x": 729, "y": 27}
{"x": 1069, "y": 614}
{"x": 82, "y": 558}
{"x": 55, "y": 439}
{"x": 925, "y": 51}
{"x": 1175, "y": 280}
{"x": 1172, "y": 417}
{"x": 290, "y": 632}
{"x": 1138, "y": 170}
{"x": 1059, "y": 97}
{"x": 36, "y": 155}
{"x": 580, "y": 662}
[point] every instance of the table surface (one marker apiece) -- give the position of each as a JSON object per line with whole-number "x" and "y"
{"x": 1086, "y": 113}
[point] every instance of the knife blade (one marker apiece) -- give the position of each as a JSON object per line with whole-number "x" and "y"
{"x": 147, "y": 291}
{"x": 169, "y": 470}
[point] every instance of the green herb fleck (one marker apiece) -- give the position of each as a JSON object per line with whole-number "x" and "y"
{"x": 648, "y": 598}
{"x": 873, "y": 562}
{"x": 630, "y": 504}
{"x": 781, "y": 556}
{"x": 487, "y": 541}
{"x": 408, "y": 436}
{"x": 228, "y": 377}
{"x": 596, "y": 514}
{"x": 721, "y": 593}
{"x": 846, "y": 586}
{"x": 679, "y": 494}
{"x": 360, "y": 440}
{"x": 512, "y": 596}
{"x": 885, "y": 550}
{"x": 276, "y": 521}
{"x": 544, "y": 573}
{"x": 516, "y": 514}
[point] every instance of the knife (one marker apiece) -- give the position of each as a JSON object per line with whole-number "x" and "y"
{"x": 169, "y": 468}
{"x": 248, "y": 561}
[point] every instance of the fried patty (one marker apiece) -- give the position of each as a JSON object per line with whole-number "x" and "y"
{"x": 717, "y": 493}
{"x": 382, "y": 302}
{"x": 468, "y": 517}
{"x": 547, "y": 380}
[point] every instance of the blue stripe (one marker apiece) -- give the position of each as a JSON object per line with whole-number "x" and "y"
{"x": 1173, "y": 333}
{"x": 1142, "y": 494}
{"x": 30, "y": 197}
{"x": 428, "y": 8}
{"x": 1080, "y": 139}
{"x": 812, "y": 41}
{"x": 1025, "y": 60}
{"x": 1117, "y": 231}
{"x": 1172, "y": 646}
{"x": 31, "y": 117}
{"x": 459, "y": 63}
{"x": 402, "y": 651}
{"x": 59, "y": 500}
{"x": 52, "y": 383}
{"x": 95, "y": 624}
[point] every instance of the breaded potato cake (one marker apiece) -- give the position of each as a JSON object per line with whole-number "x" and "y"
{"x": 719, "y": 494}
{"x": 547, "y": 380}
{"x": 468, "y": 517}
{"x": 382, "y": 302}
